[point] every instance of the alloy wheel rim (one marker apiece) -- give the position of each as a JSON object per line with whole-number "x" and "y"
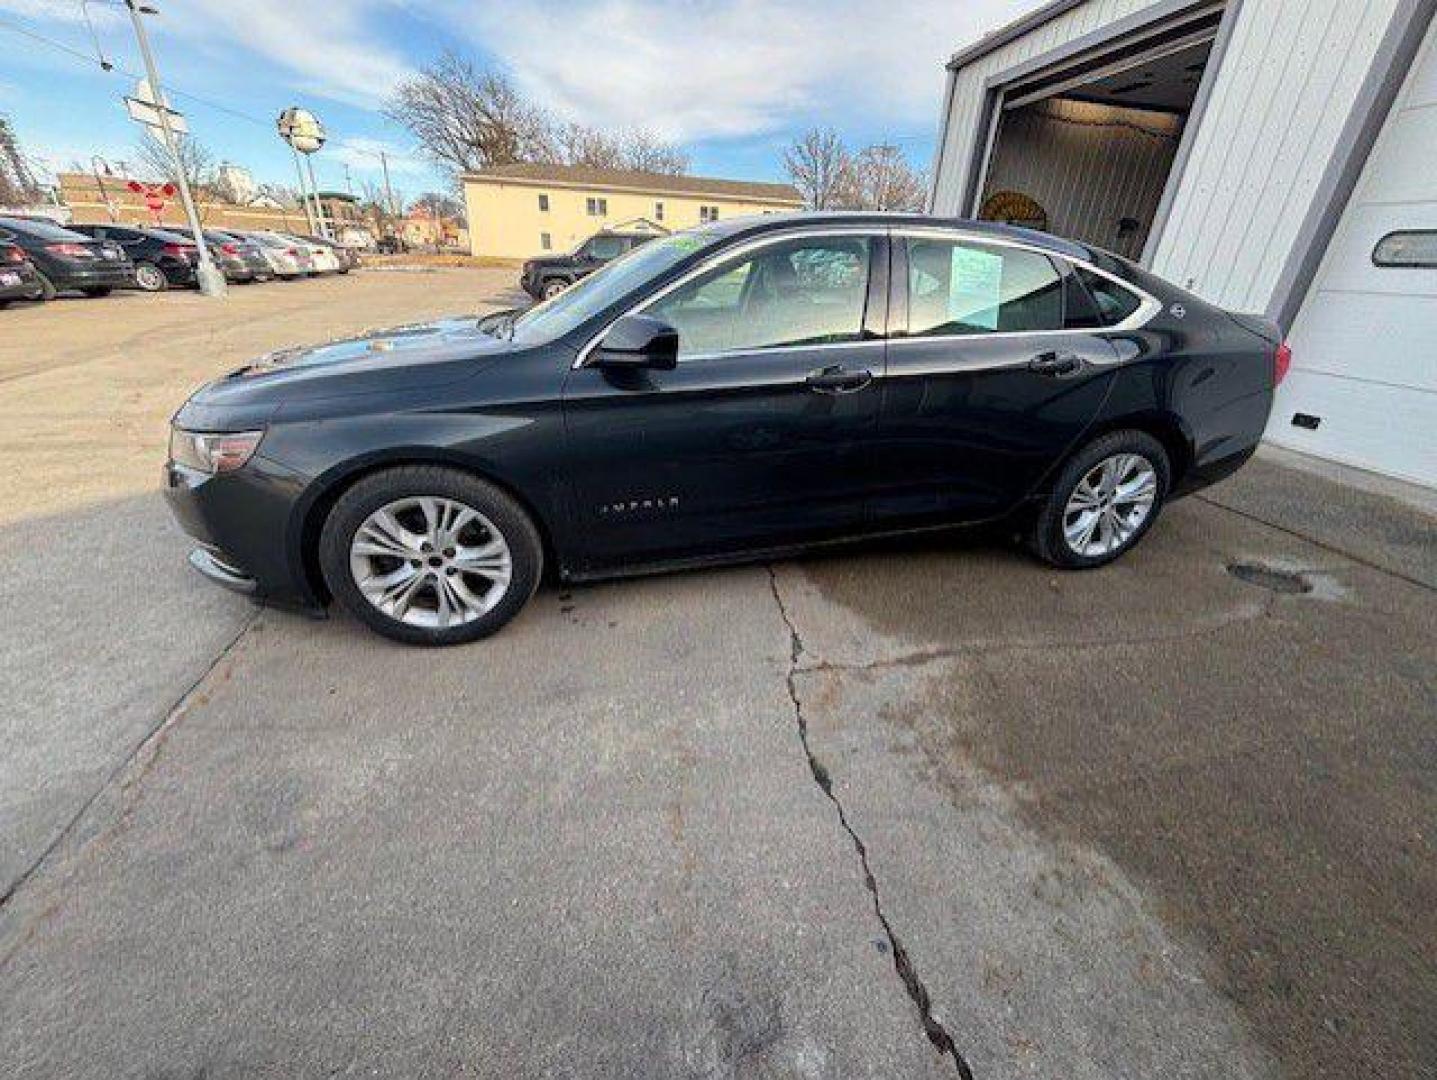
{"x": 148, "y": 278}
{"x": 1110, "y": 505}
{"x": 430, "y": 562}
{"x": 553, "y": 289}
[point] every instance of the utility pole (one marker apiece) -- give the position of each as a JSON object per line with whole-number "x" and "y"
{"x": 318, "y": 207}
{"x": 388, "y": 191}
{"x": 304, "y": 193}
{"x": 348, "y": 180}
{"x": 211, "y": 281}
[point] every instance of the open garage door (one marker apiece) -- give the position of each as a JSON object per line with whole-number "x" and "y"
{"x": 1086, "y": 148}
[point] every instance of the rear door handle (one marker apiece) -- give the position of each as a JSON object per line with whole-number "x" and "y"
{"x": 837, "y": 380}
{"x": 1056, "y": 364}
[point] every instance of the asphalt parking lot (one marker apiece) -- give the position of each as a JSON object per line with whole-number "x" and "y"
{"x": 914, "y": 809}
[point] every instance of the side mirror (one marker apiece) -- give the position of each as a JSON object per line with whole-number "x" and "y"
{"x": 638, "y": 341}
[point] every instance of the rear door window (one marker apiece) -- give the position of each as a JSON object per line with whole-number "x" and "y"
{"x": 963, "y": 287}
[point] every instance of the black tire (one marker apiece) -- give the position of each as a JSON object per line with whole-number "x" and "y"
{"x": 4, "y": 304}
{"x": 370, "y": 494}
{"x": 97, "y": 292}
{"x": 47, "y": 287}
{"x": 150, "y": 278}
{"x": 1047, "y": 538}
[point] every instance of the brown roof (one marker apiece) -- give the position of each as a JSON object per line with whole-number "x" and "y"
{"x": 584, "y": 176}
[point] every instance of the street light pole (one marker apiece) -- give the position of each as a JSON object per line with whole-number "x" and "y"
{"x": 304, "y": 193}
{"x": 211, "y": 281}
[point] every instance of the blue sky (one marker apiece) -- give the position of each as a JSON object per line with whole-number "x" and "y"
{"x": 732, "y": 80}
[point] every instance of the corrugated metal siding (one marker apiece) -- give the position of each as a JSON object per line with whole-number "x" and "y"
{"x": 1116, "y": 163}
{"x": 968, "y": 93}
{"x": 1287, "y": 85}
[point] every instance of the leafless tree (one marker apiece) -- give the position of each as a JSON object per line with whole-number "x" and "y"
{"x": 439, "y": 204}
{"x": 884, "y": 180}
{"x": 576, "y": 144}
{"x": 196, "y": 161}
{"x": 642, "y": 152}
{"x": 820, "y": 166}
{"x": 468, "y": 118}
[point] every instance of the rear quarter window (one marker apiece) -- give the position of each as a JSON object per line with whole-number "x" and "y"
{"x": 1113, "y": 302}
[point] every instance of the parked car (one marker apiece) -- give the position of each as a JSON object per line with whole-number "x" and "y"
{"x": 756, "y": 386}
{"x": 548, "y": 275}
{"x": 68, "y": 260}
{"x": 285, "y": 257}
{"x": 240, "y": 259}
{"x": 17, "y": 275}
{"x": 347, "y": 257}
{"x": 163, "y": 259}
{"x": 322, "y": 258}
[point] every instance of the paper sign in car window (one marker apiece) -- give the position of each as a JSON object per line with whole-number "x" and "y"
{"x": 975, "y": 287}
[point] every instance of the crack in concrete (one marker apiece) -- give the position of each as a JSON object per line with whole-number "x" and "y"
{"x": 155, "y": 733}
{"x": 937, "y": 1034}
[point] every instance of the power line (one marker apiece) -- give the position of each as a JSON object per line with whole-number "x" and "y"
{"x": 170, "y": 88}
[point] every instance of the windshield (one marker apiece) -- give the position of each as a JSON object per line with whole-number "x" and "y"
{"x": 556, "y": 317}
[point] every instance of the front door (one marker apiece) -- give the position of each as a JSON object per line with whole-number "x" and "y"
{"x": 990, "y": 380}
{"x": 752, "y": 440}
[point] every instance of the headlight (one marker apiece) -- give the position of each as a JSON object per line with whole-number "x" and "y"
{"x": 213, "y": 451}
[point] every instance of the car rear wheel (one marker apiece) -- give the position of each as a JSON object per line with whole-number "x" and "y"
{"x": 553, "y": 287}
{"x": 1103, "y": 502}
{"x": 150, "y": 277}
{"x": 429, "y": 555}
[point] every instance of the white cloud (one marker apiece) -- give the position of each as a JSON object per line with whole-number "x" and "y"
{"x": 336, "y": 49}
{"x": 728, "y": 68}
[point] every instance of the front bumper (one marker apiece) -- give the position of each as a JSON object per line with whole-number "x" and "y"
{"x": 244, "y": 523}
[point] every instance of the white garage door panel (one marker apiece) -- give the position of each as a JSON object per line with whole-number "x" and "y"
{"x": 1365, "y": 342}
{"x": 1402, "y": 167}
{"x": 1361, "y": 424}
{"x": 1348, "y": 266}
{"x": 1375, "y": 338}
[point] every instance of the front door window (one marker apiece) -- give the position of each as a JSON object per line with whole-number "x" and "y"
{"x": 798, "y": 292}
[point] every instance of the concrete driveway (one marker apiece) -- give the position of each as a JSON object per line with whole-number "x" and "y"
{"x": 920, "y": 809}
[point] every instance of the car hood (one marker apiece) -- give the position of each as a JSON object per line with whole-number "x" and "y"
{"x": 402, "y": 358}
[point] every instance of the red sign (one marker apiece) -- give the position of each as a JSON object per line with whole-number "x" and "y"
{"x": 155, "y": 195}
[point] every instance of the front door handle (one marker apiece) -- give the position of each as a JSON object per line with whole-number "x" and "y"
{"x": 837, "y": 380}
{"x": 1056, "y": 364}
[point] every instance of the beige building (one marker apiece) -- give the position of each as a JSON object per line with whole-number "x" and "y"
{"x": 518, "y": 211}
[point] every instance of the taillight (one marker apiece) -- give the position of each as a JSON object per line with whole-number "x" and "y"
{"x": 70, "y": 251}
{"x": 1281, "y": 361}
{"x": 15, "y": 255}
{"x": 179, "y": 251}
{"x": 230, "y": 249}
{"x": 293, "y": 251}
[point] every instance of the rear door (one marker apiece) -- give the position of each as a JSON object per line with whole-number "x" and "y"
{"x": 995, "y": 368}
{"x": 755, "y": 438}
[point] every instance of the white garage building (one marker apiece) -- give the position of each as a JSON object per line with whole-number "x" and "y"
{"x": 1277, "y": 156}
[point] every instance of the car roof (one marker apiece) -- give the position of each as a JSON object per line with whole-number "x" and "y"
{"x": 761, "y": 223}
{"x": 44, "y": 226}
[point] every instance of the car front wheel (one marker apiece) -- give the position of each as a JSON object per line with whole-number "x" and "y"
{"x": 429, "y": 555}
{"x": 1103, "y": 502}
{"x": 553, "y": 287}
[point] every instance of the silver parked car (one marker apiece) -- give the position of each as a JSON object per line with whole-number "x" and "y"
{"x": 286, "y": 257}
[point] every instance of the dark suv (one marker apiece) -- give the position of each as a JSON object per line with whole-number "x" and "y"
{"x": 65, "y": 259}
{"x": 549, "y": 275}
{"x": 162, "y": 259}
